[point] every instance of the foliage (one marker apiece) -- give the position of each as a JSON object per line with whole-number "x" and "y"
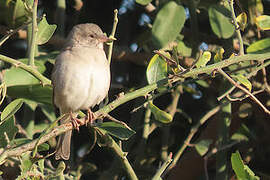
{"x": 202, "y": 49}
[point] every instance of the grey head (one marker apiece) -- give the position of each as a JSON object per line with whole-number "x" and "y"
{"x": 89, "y": 35}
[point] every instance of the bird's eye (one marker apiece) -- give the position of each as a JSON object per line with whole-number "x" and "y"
{"x": 91, "y": 35}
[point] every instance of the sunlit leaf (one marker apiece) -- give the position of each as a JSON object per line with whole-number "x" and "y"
{"x": 203, "y": 146}
{"x": 116, "y": 129}
{"x": 11, "y": 109}
{"x": 204, "y": 59}
{"x": 263, "y": 22}
{"x": 168, "y": 24}
{"x": 183, "y": 49}
{"x": 255, "y": 8}
{"x": 243, "y": 80}
{"x": 202, "y": 83}
{"x": 242, "y": 171}
{"x": 242, "y": 20}
{"x": 219, "y": 55}
{"x": 143, "y": 2}
{"x": 261, "y": 46}
{"x": 156, "y": 69}
{"x": 17, "y": 76}
{"x": 35, "y": 93}
{"x": 45, "y": 31}
{"x": 220, "y": 21}
{"x": 160, "y": 115}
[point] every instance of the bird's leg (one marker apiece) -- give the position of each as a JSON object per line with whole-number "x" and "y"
{"x": 76, "y": 122}
{"x": 90, "y": 117}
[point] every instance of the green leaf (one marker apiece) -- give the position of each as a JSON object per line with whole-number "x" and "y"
{"x": 243, "y": 80}
{"x": 11, "y": 109}
{"x": 160, "y": 115}
{"x": 16, "y": 14}
{"x": 41, "y": 165}
{"x": 48, "y": 110}
{"x": 238, "y": 165}
{"x": 35, "y": 93}
{"x": 204, "y": 59}
{"x": 220, "y": 22}
{"x": 263, "y": 22}
{"x": 143, "y": 2}
{"x": 243, "y": 134}
{"x": 242, "y": 171}
{"x": 219, "y": 55}
{"x": 45, "y": 31}
{"x": 7, "y": 129}
{"x": 202, "y": 83}
{"x": 156, "y": 69}
{"x": 26, "y": 162}
{"x": 259, "y": 47}
{"x": 116, "y": 129}
{"x": 183, "y": 49}
{"x": 203, "y": 146}
{"x": 17, "y": 76}
{"x": 242, "y": 20}
{"x": 168, "y": 24}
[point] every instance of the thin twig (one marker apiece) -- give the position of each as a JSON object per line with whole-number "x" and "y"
{"x": 115, "y": 22}
{"x": 33, "y": 44}
{"x": 253, "y": 73}
{"x": 214, "y": 151}
{"x": 11, "y": 32}
{"x": 193, "y": 131}
{"x": 158, "y": 174}
{"x": 244, "y": 89}
{"x": 238, "y": 32}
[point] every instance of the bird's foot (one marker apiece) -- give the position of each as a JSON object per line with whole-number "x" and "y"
{"x": 90, "y": 117}
{"x": 76, "y": 122}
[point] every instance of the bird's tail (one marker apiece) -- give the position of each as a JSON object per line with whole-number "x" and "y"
{"x": 63, "y": 144}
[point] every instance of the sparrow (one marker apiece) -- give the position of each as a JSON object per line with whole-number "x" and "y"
{"x": 80, "y": 77}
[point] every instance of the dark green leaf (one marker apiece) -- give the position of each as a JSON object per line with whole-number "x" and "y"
{"x": 26, "y": 163}
{"x": 45, "y": 31}
{"x": 243, "y": 134}
{"x": 168, "y": 24}
{"x": 16, "y": 13}
{"x": 7, "y": 130}
{"x": 156, "y": 69}
{"x": 160, "y": 115}
{"x": 203, "y": 146}
{"x": 143, "y": 2}
{"x": 261, "y": 46}
{"x": 48, "y": 110}
{"x": 220, "y": 21}
{"x": 116, "y": 129}
{"x": 11, "y": 109}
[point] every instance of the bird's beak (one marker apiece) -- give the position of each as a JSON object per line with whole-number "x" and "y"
{"x": 104, "y": 39}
